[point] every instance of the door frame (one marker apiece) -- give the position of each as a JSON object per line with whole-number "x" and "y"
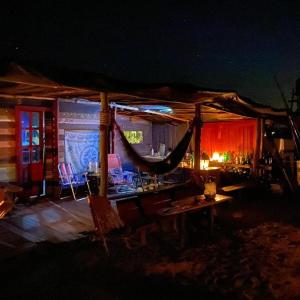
{"x": 18, "y": 130}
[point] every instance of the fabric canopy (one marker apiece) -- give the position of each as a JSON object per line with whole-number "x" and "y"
{"x": 40, "y": 82}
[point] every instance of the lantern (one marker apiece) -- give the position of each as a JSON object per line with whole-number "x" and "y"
{"x": 204, "y": 164}
{"x": 210, "y": 190}
{"x": 217, "y": 157}
{"x": 221, "y": 158}
{"x": 204, "y": 161}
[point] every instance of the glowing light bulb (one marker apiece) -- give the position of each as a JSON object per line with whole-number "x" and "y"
{"x": 215, "y": 156}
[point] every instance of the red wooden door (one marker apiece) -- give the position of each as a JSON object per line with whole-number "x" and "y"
{"x": 30, "y": 137}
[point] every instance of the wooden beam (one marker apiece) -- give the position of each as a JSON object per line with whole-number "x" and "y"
{"x": 112, "y": 130}
{"x": 135, "y": 110}
{"x": 17, "y": 97}
{"x": 197, "y": 136}
{"x": 259, "y": 144}
{"x": 104, "y": 144}
{"x": 51, "y": 84}
{"x": 129, "y": 99}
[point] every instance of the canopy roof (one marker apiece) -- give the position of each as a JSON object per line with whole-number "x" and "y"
{"x": 37, "y": 82}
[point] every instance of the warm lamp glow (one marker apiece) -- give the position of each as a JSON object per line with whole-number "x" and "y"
{"x": 210, "y": 190}
{"x": 217, "y": 157}
{"x": 204, "y": 164}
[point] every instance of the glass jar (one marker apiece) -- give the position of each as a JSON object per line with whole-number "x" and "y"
{"x": 210, "y": 190}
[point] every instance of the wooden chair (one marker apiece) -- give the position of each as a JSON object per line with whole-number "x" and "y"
{"x": 69, "y": 179}
{"x": 107, "y": 221}
{"x": 132, "y": 213}
{"x": 152, "y": 204}
{"x": 109, "y": 225}
{"x": 6, "y": 203}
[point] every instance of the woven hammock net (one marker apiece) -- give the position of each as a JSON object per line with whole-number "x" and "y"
{"x": 164, "y": 166}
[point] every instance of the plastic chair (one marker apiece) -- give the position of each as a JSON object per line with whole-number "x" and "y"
{"x": 69, "y": 179}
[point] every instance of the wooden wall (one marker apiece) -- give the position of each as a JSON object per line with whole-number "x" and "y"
{"x": 7, "y": 145}
{"x": 75, "y": 115}
{"x": 8, "y": 162}
{"x": 51, "y": 171}
{"x": 168, "y": 134}
{"x": 84, "y": 115}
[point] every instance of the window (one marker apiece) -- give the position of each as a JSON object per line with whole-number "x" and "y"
{"x": 134, "y": 136}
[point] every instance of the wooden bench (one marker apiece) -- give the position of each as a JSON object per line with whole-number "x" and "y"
{"x": 236, "y": 188}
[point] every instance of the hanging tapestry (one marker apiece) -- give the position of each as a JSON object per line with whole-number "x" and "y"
{"x": 164, "y": 166}
{"x": 81, "y": 147}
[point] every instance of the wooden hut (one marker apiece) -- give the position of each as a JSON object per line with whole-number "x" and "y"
{"x": 39, "y": 104}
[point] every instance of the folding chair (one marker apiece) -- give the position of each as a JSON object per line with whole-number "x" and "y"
{"x": 122, "y": 180}
{"x": 69, "y": 179}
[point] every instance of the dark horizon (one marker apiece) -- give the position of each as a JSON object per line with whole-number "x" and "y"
{"x": 220, "y": 45}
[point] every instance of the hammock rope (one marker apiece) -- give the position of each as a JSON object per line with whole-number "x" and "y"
{"x": 164, "y": 166}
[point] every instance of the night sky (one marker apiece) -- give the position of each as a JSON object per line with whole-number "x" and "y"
{"x": 222, "y": 45}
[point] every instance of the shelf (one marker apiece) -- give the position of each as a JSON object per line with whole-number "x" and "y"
{"x": 247, "y": 166}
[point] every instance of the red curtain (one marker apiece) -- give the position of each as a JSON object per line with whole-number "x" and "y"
{"x": 236, "y": 136}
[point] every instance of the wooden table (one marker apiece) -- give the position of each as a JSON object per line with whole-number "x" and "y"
{"x": 187, "y": 205}
{"x": 11, "y": 188}
{"x": 8, "y": 197}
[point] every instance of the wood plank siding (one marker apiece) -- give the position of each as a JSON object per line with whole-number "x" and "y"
{"x": 75, "y": 115}
{"x": 7, "y": 145}
{"x": 8, "y": 131}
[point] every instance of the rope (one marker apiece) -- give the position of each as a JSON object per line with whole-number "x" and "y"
{"x": 104, "y": 118}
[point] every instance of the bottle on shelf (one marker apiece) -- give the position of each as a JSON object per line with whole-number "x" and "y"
{"x": 266, "y": 158}
{"x": 192, "y": 160}
{"x": 225, "y": 155}
{"x": 270, "y": 158}
{"x": 237, "y": 159}
{"x": 248, "y": 159}
{"x": 152, "y": 152}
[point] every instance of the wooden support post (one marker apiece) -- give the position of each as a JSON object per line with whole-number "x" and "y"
{"x": 104, "y": 144}
{"x": 197, "y": 136}
{"x": 54, "y": 125}
{"x": 259, "y": 145}
{"x": 112, "y": 130}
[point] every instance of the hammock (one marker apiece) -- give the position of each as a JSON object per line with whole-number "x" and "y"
{"x": 164, "y": 166}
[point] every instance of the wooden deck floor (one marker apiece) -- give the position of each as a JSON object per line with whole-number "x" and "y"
{"x": 50, "y": 220}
